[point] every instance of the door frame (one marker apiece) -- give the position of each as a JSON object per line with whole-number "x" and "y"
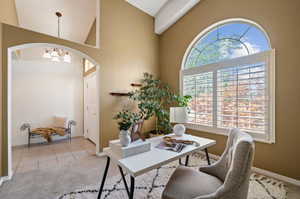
{"x": 97, "y": 105}
{"x": 10, "y": 50}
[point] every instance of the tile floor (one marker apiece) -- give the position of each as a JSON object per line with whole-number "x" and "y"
{"x": 56, "y": 154}
{"x": 46, "y": 171}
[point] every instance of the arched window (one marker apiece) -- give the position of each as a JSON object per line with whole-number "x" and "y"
{"x": 227, "y": 41}
{"x": 229, "y": 72}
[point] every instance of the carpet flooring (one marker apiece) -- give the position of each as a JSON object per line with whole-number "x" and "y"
{"x": 152, "y": 184}
{"x": 49, "y": 181}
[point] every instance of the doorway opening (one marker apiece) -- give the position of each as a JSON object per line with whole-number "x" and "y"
{"x": 46, "y": 117}
{"x": 90, "y": 103}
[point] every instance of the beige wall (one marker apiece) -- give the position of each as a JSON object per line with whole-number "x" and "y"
{"x": 281, "y": 20}
{"x": 129, "y": 47}
{"x": 91, "y": 38}
{"x": 8, "y": 12}
{"x": 1, "y": 132}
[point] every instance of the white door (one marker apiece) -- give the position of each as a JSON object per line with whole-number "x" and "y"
{"x": 90, "y": 107}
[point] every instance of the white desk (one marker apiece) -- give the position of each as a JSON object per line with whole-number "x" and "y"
{"x": 139, "y": 164}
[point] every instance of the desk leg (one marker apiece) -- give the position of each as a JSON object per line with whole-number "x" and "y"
{"x": 207, "y": 156}
{"x": 187, "y": 160}
{"x": 124, "y": 180}
{"x": 131, "y": 187}
{"x": 104, "y": 177}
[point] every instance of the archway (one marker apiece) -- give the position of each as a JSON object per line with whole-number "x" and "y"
{"x": 9, "y": 94}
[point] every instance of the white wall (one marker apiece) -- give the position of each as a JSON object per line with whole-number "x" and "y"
{"x": 43, "y": 89}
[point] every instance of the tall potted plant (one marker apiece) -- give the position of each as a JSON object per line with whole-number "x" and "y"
{"x": 154, "y": 99}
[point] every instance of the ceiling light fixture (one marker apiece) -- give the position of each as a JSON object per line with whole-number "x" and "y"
{"x": 57, "y": 54}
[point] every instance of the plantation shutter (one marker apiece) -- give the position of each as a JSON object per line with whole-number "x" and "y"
{"x": 232, "y": 93}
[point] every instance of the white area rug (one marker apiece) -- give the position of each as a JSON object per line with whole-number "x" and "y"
{"x": 151, "y": 185}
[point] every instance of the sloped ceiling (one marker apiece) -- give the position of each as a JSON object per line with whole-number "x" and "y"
{"x": 39, "y": 16}
{"x": 165, "y": 12}
{"x": 151, "y": 7}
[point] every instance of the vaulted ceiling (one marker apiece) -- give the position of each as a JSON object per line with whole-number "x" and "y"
{"x": 165, "y": 12}
{"x": 151, "y": 7}
{"x": 39, "y": 15}
{"x": 79, "y": 15}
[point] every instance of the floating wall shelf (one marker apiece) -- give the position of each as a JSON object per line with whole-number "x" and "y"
{"x": 119, "y": 94}
{"x": 135, "y": 85}
{"x": 125, "y": 93}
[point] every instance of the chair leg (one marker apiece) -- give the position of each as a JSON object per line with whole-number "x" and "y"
{"x": 28, "y": 140}
{"x": 70, "y": 133}
{"x": 207, "y": 156}
{"x": 104, "y": 177}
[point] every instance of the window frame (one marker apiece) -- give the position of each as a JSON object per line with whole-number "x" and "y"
{"x": 266, "y": 56}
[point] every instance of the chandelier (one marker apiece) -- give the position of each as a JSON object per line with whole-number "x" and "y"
{"x": 57, "y": 54}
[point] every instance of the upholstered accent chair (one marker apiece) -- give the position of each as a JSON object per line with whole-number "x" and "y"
{"x": 228, "y": 178}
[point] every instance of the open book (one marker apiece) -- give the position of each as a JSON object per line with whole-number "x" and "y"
{"x": 176, "y": 147}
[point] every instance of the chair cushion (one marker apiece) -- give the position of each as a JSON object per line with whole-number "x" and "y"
{"x": 187, "y": 183}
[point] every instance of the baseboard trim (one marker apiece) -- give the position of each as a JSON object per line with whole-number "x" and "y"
{"x": 100, "y": 154}
{"x": 4, "y": 179}
{"x": 267, "y": 173}
{"x": 276, "y": 176}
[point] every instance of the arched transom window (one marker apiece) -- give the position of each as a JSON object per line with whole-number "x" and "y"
{"x": 229, "y": 72}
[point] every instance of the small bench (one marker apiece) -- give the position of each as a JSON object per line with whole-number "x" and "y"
{"x": 48, "y": 132}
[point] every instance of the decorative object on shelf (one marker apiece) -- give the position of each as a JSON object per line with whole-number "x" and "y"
{"x": 57, "y": 54}
{"x": 154, "y": 97}
{"x": 179, "y": 115}
{"x": 126, "y": 120}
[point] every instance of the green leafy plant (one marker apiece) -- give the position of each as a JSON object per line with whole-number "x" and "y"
{"x": 184, "y": 101}
{"x": 154, "y": 99}
{"x": 126, "y": 119}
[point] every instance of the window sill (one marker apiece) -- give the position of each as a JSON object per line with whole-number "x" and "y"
{"x": 259, "y": 137}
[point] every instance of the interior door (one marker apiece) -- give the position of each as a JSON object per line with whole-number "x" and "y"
{"x": 90, "y": 107}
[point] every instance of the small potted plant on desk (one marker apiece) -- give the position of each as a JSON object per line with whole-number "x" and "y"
{"x": 126, "y": 119}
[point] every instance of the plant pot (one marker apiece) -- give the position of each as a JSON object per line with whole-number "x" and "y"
{"x": 124, "y": 137}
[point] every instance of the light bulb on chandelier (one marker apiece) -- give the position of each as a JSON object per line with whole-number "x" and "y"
{"x": 47, "y": 54}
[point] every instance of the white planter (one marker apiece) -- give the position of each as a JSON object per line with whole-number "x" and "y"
{"x": 124, "y": 137}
